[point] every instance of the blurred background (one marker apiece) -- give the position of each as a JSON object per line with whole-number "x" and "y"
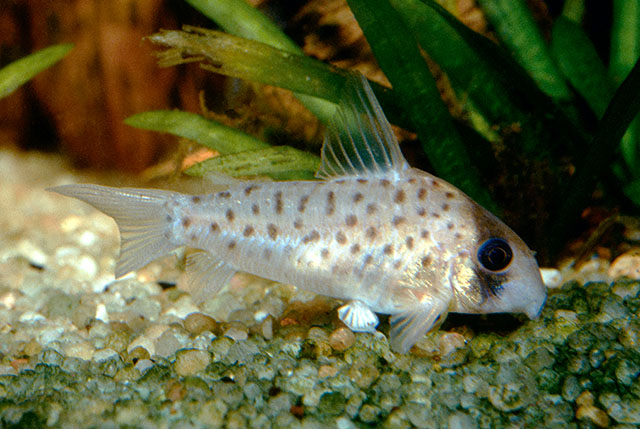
{"x": 78, "y": 106}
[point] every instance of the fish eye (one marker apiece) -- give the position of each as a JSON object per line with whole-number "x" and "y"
{"x": 495, "y": 254}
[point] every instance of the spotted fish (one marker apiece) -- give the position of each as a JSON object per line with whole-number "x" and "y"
{"x": 376, "y": 233}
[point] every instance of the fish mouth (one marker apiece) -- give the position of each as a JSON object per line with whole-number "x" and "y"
{"x": 534, "y": 312}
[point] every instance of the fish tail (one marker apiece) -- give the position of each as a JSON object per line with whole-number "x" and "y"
{"x": 141, "y": 215}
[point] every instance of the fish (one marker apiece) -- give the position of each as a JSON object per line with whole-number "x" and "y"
{"x": 374, "y": 232}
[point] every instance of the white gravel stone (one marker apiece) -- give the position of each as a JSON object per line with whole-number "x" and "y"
{"x": 144, "y": 342}
{"x": 8, "y": 300}
{"x": 87, "y": 266}
{"x": 551, "y": 277}
{"x": 167, "y": 344}
{"x": 31, "y": 317}
{"x": 626, "y": 265}
{"x": 7, "y": 370}
{"x": 87, "y": 238}
{"x": 101, "y": 313}
{"x": 189, "y": 362}
{"x": 104, "y": 354}
{"x": 71, "y": 223}
{"x": 49, "y": 334}
{"x": 203, "y": 341}
{"x": 236, "y": 334}
{"x": 143, "y": 364}
{"x": 83, "y": 350}
{"x": 32, "y": 253}
{"x": 182, "y": 308}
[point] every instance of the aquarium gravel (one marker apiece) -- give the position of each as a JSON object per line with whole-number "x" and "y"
{"x": 79, "y": 348}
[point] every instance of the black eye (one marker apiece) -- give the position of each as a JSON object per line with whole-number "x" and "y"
{"x": 495, "y": 254}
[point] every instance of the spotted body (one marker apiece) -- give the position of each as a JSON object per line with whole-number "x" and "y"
{"x": 376, "y": 233}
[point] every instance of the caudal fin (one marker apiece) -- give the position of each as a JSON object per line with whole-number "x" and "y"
{"x": 141, "y": 217}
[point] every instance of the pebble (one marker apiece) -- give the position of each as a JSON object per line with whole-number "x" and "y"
{"x": 167, "y": 344}
{"x": 569, "y": 315}
{"x": 587, "y": 411}
{"x": 104, "y": 355}
{"x": 369, "y": 413}
{"x": 51, "y": 357}
{"x": 101, "y": 313}
{"x": 32, "y": 253}
{"x": 332, "y": 403}
{"x": 197, "y": 323}
{"x": 87, "y": 238}
{"x": 570, "y": 389}
{"x": 630, "y": 336}
{"x": 137, "y": 354}
{"x": 143, "y": 342}
{"x": 189, "y": 362}
{"x": 626, "y": 265}
{"x": 143, "y": 364}
{"x": 627, "y": 411}
{"x": 354, "y": 403}
{"x": 236, "y": 333}
{"x": 461, "y": 420}
{"x": 317, "y": 334}
{"x": 345, "y": 423}
{"x": 341, "y": 339}
{"x": 30, "y": 317}
{"x": 626, "y": 290}
{"x": 419, "y": 416}
{"x": 551, "y": 277}
{"x": 450, "y": 342}
{"x": 266, "y": 328}
{"x": 203, "y": 340}
{"x": 508, "y": 397}
{"x": 7, "y": 370}
{"x": 327, "y": 371}
{"x": 280, "y": 402}
{"x": 32, "y": 348}
{"x": 83, "y": 350}
{"x": 8, "y": 300}
{"x": 182, "y": 308}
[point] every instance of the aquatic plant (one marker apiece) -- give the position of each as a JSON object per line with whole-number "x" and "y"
{"x": 525, "y": 139}
{"x": 13, "y": 75}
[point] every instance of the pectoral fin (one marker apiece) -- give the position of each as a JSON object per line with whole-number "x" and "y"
{"x": 358, "y": 317}
{"x": 408, "y": 327}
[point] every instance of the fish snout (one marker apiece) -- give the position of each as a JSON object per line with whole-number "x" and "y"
{"x": 535, "y": 309}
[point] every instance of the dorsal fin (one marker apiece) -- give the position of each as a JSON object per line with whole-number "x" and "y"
{"x": 359, "y": 139}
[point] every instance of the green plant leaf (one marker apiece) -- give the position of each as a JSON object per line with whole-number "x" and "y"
{"x": 574, "y": 10}
{"x": 625, "y": 51}
{"x": 241, "y": 19}
{"x": 211, "y": 134}
{"x": 250, "y": 60}
{"x": 624, "y": 106}
{"x": 255, "y": 61}
{"x": 544, "y": 126}
{"x": 466, "y": 69}
{"x": 399, "y": 57}
{"x": 579, "y": 62}
{"x": 495, "y": 86}
{"x": 20, "y": 71}
{"x": 632, "y": 191}
{"x": 278, "y": 162}
{"x": 625, "y": 38}
{"x": 517, "y": 29}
